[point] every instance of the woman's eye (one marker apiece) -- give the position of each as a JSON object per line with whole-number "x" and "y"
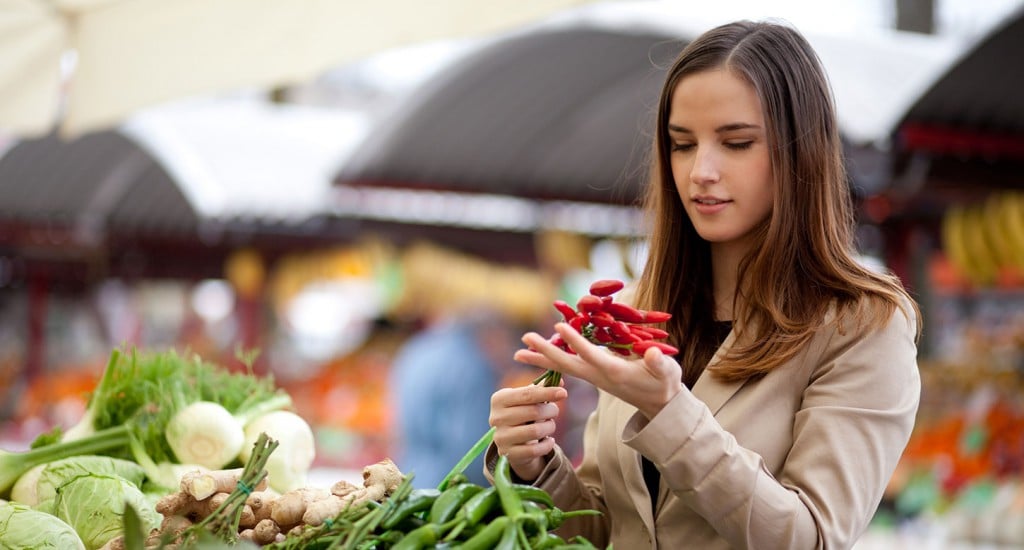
{"x": 739, "y": 145}
{"x": 682, "y": 146}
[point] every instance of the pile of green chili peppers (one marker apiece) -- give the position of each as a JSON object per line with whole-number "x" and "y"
{"x": 505, "y": 516}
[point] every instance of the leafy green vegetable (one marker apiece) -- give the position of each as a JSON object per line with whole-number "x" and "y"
{"x": 94, "y": 506}
{"x": 22, "y": 528}
{"x": 136, "y": 397}
{"x": 54, "y": 475}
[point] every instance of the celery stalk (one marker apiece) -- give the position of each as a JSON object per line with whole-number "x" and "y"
{"x": 13, "y": 465}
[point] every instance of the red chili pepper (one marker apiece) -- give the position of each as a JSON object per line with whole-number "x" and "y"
{"x": 606, "y": 287}
{"x": 628, "y": 338}
{"x": 640, "y": 347}
{"x": 644, "y": 334}
{"x": 655, "y": 333}
{"x": 607, "y": 300}
{"x": 590, "y": 304}
{"x": 656, "y": 316}
{"x": 602, "y": 319}
{"x": 603, "y": 337}
{"x": 619, "y": 329}
{"x": 577, "y": 322}
{"x": 625, "y": 313}
{"x": 621, "y": 351}
{"x": 565, "y": 309}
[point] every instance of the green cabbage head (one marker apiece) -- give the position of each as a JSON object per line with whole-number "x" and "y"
{"x": 38, "y": 487}
{"x": 94, "y": 506}
{"x": 22, "y": 528}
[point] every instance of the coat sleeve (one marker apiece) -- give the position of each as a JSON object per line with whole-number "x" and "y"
{"x": 572, "y": 489}
{"x": 855, "y": 419}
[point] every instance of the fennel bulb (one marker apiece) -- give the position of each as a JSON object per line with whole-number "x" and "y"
{"x": 288, "y": 466}
{"x": 205, "y": 433}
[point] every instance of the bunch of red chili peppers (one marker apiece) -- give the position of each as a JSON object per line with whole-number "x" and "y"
{"x": 614, "y": 325}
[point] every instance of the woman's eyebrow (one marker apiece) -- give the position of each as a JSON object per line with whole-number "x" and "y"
{"x": 723, "y": 128}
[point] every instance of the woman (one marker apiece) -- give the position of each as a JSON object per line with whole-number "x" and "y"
{"x": 793, "y": 395}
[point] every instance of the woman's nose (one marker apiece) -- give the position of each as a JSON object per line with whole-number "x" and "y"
{"x": 705, "y": 167}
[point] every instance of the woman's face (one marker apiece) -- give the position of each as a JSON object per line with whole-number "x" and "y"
{"x": 719, "y": 156}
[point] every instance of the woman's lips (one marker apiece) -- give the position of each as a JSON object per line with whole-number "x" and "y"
{"x": 708, "y": 206}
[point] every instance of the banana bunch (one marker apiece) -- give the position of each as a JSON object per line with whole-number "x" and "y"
{"x": 984, "y": 239}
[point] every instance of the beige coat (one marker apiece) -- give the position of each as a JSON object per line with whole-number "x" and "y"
{"x": 797, "y": 459}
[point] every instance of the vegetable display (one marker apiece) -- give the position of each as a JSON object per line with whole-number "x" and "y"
{"x": 177, "y": 453}
{"x": 153, "y": 420}
{"x": 384, "y": 514}
{"x": 136, "y": 399}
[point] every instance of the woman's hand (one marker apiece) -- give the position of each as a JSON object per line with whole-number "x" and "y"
{"x": 524, "y": 420}
{"x": 647, "y": 384}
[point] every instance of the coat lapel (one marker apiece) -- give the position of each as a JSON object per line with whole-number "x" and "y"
{"x": 709, "y": 388}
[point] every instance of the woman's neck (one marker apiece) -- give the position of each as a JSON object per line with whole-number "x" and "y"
{"x": 725, "y": 262}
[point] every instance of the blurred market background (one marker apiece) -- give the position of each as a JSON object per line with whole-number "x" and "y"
{"x": 323, "y": 182}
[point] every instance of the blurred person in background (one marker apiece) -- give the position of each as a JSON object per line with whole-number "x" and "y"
{"x": 794, "y": 393}
{"x": 442, "y": 379}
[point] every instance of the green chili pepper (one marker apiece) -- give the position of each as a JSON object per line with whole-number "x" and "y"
{"x": 487, "y": 538}
{"x": 535, "y": 494}
{"x": 508, "y": 537}
{"x": 547, "y": 540}
{"x": 556, "y": 517}
{"x": 479, "y": 505}
{"x": 580, "y": 542}
{"x": 535, "y": 517}
{"x": 417, "y": 501}
{"x": 425, "y": 536}
{"x": 510, "y": 501}
{"x": 451, "y": 500}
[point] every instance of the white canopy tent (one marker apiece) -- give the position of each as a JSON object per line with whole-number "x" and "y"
{"x": 86, "y": 64}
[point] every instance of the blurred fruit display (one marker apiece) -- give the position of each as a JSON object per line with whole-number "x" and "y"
{"x": 985, "y": 241}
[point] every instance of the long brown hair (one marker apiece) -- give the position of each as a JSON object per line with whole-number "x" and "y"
{"x": 805, "y": 261}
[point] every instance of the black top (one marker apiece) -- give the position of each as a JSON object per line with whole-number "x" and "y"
{"x": 652, "y": 477}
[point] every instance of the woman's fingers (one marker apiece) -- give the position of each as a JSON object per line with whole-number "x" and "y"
{"x": 525, "y": 434}
{"x": 524, "y": 422}
{"x": 583, "y": 347}
{"x": 523, "y": 414}
{"x": 655, "y": 363}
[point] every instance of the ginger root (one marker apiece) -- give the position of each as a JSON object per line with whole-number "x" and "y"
{"x": 287, "y": 510}
{"x": 201, "y": 484}
{"x": 379, "y": 480}
{"x": 266, "y": 532}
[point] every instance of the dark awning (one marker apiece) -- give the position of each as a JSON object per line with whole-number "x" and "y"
{"x": 977, "y": 107}
{"x": 99, "y": 182}
{"x": 558, "y": 115}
